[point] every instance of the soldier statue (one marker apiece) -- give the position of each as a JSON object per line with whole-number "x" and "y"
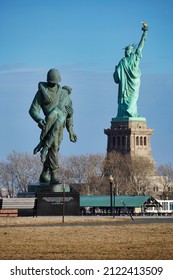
{"x": 56, "y": 105}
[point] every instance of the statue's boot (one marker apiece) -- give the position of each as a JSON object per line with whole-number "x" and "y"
{"x": 55, "y": 177}
{"x": 45, "y": 175}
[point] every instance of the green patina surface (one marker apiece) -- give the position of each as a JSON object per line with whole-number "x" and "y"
{"x": 125, "y": 119}
{"x": 127, "y": 75}
{"x": 46, "y": 187}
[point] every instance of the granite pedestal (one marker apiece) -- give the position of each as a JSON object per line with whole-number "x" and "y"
{"x": 58, "y": 204}
{"x": 55, "y": 200}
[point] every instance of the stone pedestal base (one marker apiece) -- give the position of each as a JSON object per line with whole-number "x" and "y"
{"x": 53, "y": 200}
{"x": 129, "y": 136}
{"x": 58, "y": 204}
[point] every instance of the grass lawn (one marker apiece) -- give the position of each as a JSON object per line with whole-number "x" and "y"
{"x": 84, "y": 238}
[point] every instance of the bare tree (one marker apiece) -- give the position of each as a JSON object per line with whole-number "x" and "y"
{"x": 89, "y": 172}
{"x": 95, "y": 172}
{"x": 131, "y": 174}
{"x": 18, "y": 171}
{"x": 118, "y": 166}
{"x": 84, "y": 170}
{"x": 7, "y": 179}
{"x": 166, "y": 172}
{"x": 142, "y": 168}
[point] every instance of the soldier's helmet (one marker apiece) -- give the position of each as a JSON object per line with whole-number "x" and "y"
{"x": 53, "y": 76}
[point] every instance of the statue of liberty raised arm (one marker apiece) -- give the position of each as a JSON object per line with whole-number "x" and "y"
{"x": 127, "y": 75}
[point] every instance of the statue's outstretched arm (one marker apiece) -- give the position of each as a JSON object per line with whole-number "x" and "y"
{"x": 143, "y": 37}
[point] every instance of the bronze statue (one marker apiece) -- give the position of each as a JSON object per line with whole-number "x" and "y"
{"x": 127, "y": 75}
{"x": 56, "y": 105}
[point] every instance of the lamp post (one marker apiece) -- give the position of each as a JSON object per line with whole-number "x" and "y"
{"x": 63, "y": 205}
{"x": 114, "y": 193}
{"x": 111, "y": 180}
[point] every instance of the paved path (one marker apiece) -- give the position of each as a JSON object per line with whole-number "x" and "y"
{"x": 147, "y": 220}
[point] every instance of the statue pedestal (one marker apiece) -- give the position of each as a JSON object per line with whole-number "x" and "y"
{"x": 129, "y": 135}
{"x": 58, "y": 204}
{"x": 53, "y": 200}
{"x": 46, "y": 187}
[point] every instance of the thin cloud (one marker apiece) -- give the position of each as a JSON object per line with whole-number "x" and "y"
{"x": 19, "y": 68}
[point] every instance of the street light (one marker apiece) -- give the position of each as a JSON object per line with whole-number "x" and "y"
{"x": 114, "y": 200}
{"x": 111, "y": 181}
{"x": 63, "y": 205}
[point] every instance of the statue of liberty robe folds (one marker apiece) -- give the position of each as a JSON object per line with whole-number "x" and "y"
{"x": 127, "y": 75}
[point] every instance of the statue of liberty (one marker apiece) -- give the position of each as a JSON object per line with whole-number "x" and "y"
{"x": 127, "y": 75}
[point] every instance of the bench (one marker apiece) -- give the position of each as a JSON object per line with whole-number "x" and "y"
{"x": 9, "y": 213}
{"x": 18, "y": 206}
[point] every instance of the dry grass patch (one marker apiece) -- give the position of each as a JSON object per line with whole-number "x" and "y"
{"x": 83, "y": 238}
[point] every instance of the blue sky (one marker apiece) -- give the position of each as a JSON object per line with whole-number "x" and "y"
{"x": 84, "y": 40}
